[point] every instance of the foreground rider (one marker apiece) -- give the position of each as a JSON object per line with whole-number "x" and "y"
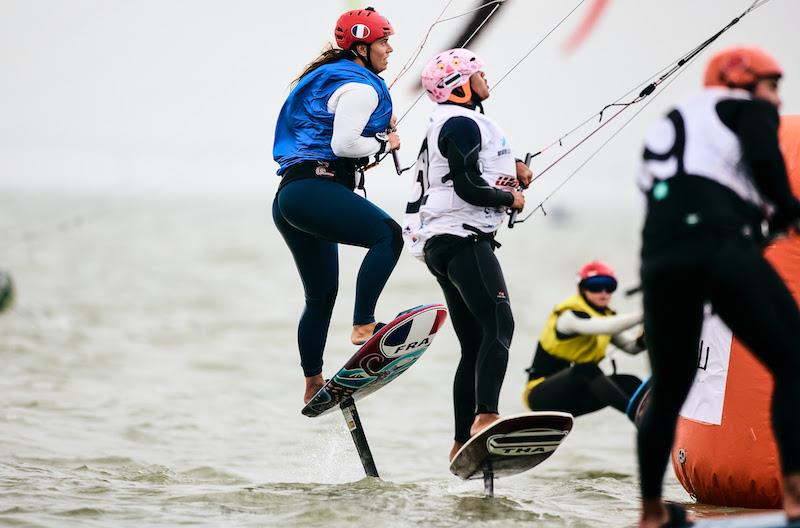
{"x": 713, "y": 173}
{"x": 336, "y": 116}
{"x": 467, "y": 181}
{"x": 565, "y": 375}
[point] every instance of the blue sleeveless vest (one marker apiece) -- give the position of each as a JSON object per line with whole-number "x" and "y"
{"x": 305, "y": 127}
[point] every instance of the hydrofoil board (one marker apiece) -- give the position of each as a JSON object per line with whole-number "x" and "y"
{"x": 511, "y": 445}
{"x": 386, "y": 355}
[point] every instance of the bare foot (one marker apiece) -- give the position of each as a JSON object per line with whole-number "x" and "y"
{"x": 791, "y": 495}
{"x": 362, "y": 333}
{"x": 454, "y": 450}
{"x": 654, "y": 514}
{"x": 482, "y": 421}
{"x": 313, "y": 385}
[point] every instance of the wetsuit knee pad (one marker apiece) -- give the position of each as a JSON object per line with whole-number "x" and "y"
{"x": 397, "y": 237}
{"x": 504, "y": 320}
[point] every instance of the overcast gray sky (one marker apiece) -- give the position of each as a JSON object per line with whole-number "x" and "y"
{"x": 183, "y": 94}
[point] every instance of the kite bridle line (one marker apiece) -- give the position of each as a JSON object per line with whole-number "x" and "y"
{"x": 540, "y": 205}
{"x": 522, "y": 59}
{"x": 415, "y": 55}
{"x": 408, "y": 64}
{"x": 668, "y": 71}
{"x": 67, "y": 224}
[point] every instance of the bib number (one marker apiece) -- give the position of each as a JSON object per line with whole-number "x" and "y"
{"x": 420, "y": 189}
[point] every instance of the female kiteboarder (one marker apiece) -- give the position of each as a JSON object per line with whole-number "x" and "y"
{"x": 337, "y": 115}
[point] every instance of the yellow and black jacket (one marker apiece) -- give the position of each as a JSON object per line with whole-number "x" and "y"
{"x": 556, "y": 351}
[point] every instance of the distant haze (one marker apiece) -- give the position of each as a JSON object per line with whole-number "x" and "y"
{"x": 182, "y": 96}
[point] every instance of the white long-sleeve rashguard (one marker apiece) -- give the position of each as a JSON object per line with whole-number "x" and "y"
{"x": 352, "y": 105}
{"x": 570, "y": 324}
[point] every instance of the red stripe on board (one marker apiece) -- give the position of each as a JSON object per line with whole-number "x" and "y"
{"x": 441, "y": 315}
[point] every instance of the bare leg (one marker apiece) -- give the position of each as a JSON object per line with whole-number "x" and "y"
{"x": 313, "y": 385}
{"x": 362, "y": 333}
{"x": 654, "y": 514}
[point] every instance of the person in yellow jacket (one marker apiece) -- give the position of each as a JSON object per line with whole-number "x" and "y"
{"x": 565, "y": 375}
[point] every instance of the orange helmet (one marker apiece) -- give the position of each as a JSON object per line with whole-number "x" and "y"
{"x": 741, "y": 67}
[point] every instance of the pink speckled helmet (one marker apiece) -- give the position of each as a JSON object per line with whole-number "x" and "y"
{"x": 449, "y": 70}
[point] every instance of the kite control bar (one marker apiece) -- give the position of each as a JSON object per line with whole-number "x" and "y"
{"x": 513, "y": 218}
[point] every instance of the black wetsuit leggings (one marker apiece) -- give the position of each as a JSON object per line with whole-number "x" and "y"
{"x": 582, "y": 389}
{"x": 313, "y": 215}
{"x": 747, "y": 293}
{"x": 477, "y": 298}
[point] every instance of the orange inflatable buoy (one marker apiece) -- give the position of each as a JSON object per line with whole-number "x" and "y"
{"x": 724, "y": 451}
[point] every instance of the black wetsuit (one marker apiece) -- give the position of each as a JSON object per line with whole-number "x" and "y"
{"x": 314, "y": 214}
{"x": 579, "y": 388}
{"x": 701, "y": 243}
{"x": 473, "y": 283}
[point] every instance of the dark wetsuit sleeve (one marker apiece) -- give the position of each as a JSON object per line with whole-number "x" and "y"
{"x": 755, "y": 123}
{"x": 460, "y": 142}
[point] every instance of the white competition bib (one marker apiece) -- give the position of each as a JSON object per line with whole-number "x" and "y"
{"x": 434, "y": 207}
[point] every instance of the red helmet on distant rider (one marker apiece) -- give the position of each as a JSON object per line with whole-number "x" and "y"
{"x": 361, "y": 26}
{"x": 597, "y": 275}
{"x": 741, "y": 67}
{"x": 595, "y": 268}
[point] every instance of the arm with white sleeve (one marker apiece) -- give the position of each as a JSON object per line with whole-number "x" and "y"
{"x": 352, "y": 105}
{"x": 629, "y": 342}
{"x": 579, "y": 323}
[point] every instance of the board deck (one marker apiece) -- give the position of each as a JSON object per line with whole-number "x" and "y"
{"x": 746, "y": 520}
{"x": 386, "y": 355}
{"x": 512, "y": 445}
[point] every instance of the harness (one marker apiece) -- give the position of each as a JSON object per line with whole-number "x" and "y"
{"x": 480, "y": 235}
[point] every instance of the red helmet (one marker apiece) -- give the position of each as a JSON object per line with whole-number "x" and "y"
{"x": 361, "y": 26}
{"x": 595, "y": 268}
{"x": 741, "y": 67}
{"x": 597, "y": 276}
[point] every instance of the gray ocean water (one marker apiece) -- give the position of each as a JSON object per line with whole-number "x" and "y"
{"x": 150, "y": 378}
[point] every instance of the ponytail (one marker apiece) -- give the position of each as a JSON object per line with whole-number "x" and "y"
{"x": 328, "y": 55}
